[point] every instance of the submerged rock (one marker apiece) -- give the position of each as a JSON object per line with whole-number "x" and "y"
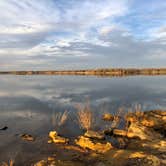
{"x": 94, "y": 134}
{"x": 27, "y": 137}
{"x": 85, "y": 142}
{"x": 57, "y": 139}
{"x": 4, "y": 128}
{"x": 108, "y": 117}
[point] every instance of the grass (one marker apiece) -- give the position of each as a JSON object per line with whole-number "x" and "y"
{"x": 11, "y": 163}
{"x": 59, "y": 118}
{"x": 119, "y": 115}
{"x": 85, "y": 116}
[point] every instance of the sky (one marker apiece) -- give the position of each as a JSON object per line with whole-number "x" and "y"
{"x": 82, "y": 34}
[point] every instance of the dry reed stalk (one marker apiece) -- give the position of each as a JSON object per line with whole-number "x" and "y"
{"x": 85, "y": 116}
{"x": 60, "y": 118}
{"x": 11, "y": 163}
{"x": 117, "y": 118}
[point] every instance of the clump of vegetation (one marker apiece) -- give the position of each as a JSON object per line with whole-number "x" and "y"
{"x": 11, "y": 163}
{"x": 60, "y": 118}
{"x": 85, "y": 116}
{"x": 119, "y": 115}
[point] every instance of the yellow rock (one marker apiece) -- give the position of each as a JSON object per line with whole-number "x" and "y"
{"x": 85, "y": 142}
{"x": 49, "y": 141}
{"x": 41, "y": 163}
{"x": 119, "y": 132}
{"x": 108, "y": 117}
{"x": 50, "y": 158}
{"x": 57, "y": 139}
{"x": 94, "y": 134}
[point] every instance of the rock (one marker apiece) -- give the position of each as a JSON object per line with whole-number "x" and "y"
{"x": 100, "y": 164}
{"x": 57, "y": 163}
{"x": 118, "y": 132}
{"x": 155, "y": 119}
{"x": 154, "y": 146}
{"x": 41, "y": 163}
{"x": 148, "y": 160}
{"x": 57, "y": 139}
{"x": 85, "y": 142}
{"x": 49, "y": 141}
{"x": 122, "y": 142}
{"x": 108, "y": 132}
{"x": 4, "y": 128}
{"x": 137, "y": 130}
{"x": 108, "y": 117}
{"x": 27, "y": 137}
{"x": 51, "y": 158}
{"x": 94, "y": 134}
{"x": 147, "y": 125}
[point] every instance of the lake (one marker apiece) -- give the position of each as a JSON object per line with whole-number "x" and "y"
{"x": 34, "y": 104}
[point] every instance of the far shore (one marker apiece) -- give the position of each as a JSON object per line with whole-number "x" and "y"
{"x": 95, "y": 72}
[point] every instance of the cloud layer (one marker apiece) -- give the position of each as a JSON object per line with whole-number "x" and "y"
{"x": 59, "y": 34}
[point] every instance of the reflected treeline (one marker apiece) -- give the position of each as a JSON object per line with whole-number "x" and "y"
{"x": 96, "y": 72}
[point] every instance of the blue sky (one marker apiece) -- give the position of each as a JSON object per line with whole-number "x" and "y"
{"x": 73, "y": 34}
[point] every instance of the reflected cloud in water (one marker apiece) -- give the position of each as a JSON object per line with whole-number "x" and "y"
{"x": 29, "y": 104}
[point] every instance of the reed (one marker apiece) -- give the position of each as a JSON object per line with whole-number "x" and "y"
{"x": 85, "y": 116}
{"x": 59, "y": 118}
{"x": 119, "y": 115}
{"x": 11, "y": 163}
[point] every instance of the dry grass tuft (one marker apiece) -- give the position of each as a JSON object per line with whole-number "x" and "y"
{"x": 85, "y": 116}
{"x": 11, "y": 163}
{"x": 59, "y": 118}
{"x": 117, "y": 117}
{"x": 138, "y": 110}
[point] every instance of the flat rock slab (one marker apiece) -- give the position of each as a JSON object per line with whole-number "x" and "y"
{"x": 85, "y": 142}
{"x": 94, "y": 134}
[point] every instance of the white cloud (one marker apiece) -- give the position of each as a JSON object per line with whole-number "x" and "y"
{"x": 53, "y": 33}
{"x": 159, "y": 32}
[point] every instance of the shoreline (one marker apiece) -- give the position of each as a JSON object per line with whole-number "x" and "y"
{"x": 93, "y": 72}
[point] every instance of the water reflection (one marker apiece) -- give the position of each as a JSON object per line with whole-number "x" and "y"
{"x": 32, "y": 104}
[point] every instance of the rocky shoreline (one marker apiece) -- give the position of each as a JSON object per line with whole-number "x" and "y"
{"x": 142, "y": 142}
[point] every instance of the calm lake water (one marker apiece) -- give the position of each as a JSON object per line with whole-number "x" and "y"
{"x": 31, "y": 104}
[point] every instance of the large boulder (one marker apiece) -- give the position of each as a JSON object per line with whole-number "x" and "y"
{"x": 147, "y": 125}
{"x": 155, "y": 119}
{"x": 136, "y": 130}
